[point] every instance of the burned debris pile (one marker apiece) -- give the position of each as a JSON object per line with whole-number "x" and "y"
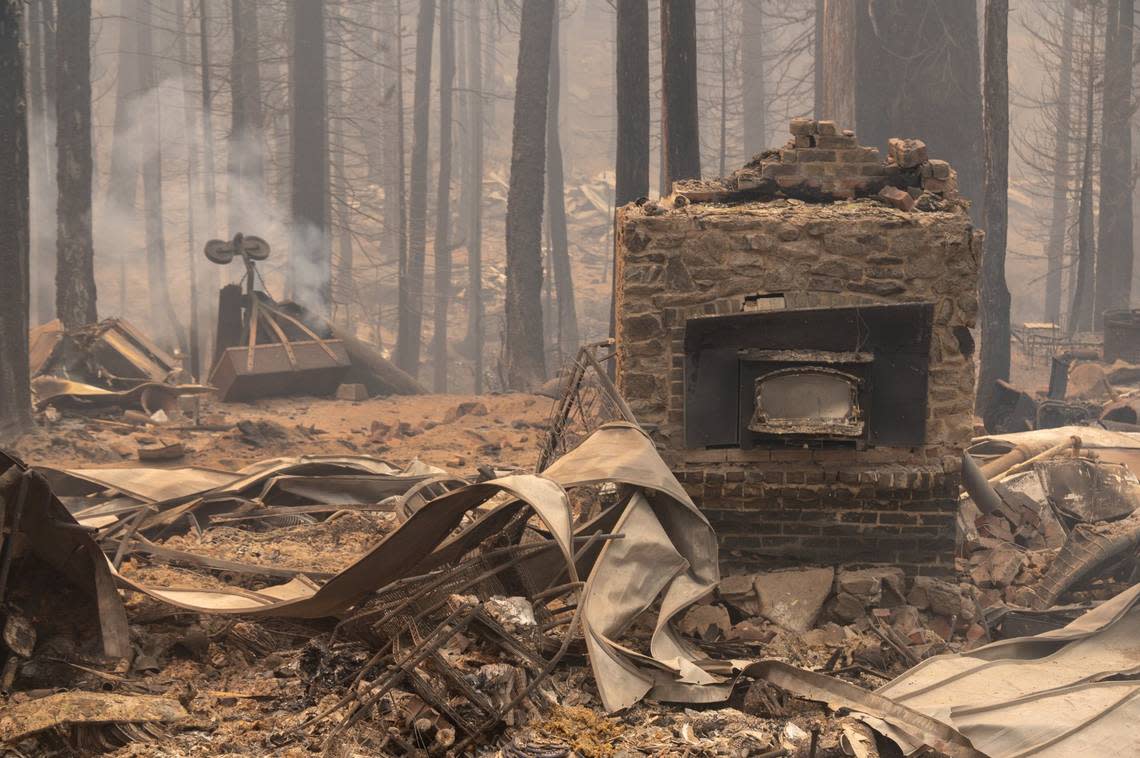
{"x": 109, "y": 364}
{"x": 820, "y": 163}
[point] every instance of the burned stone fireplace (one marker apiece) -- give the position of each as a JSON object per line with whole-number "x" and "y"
{"x": 797, "y": 337}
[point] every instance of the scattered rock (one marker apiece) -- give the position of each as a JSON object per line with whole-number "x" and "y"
{"x": 793, "y": 599}
{"x": 751, "y": 630}
{"x": 468, "y": 408}
{"x": 907, "y": 153}
{"x": 738, "y": 591}
{"x": 163, "y": 451}
{"x": 846, "y": 607}
{"x": 708, "y": 622}
{"x": 352, "y": 392}
{"x": 897, "y": 198}
{"x": 874, "y": 587}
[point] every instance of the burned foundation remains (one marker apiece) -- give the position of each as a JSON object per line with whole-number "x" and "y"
{"x": 798, "y": 337}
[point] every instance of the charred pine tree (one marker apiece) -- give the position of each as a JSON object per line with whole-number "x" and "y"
{"x": 191, "y": 127}
{"x": 75, "y": 249}
{"x": 158, "y": 288}
{"x": 1114, "y": 233}
{"x": 40, "y": 69}
{"x": 524, "y": 363}
{"x": 343, "y": 286}
{"x": 836, "y": 68}
{"x": 392, "y": 124}
{"x": 567, "y": 321}
{"x": 474, "y": 211}
{"x": 411, "y": 294}
{"x": 679, "y": 120}
{"x": 442, "y": 240}
{"x": 752, "y": 80}
{"x": 122, "y": 186}
{"x": 1081, "y": 315}
{"x": 122, "y": 189}
{"x": 994, "y": 300}
{"x": 15, "y": 394}
{"x": 309, "y": 270}
{"x": 916, "y": 74}
{"x": 209, "y": 304}
{"x": 632, "y": 166}
{"x": 1062, "y": 173}
{"x": 246, "y": 152}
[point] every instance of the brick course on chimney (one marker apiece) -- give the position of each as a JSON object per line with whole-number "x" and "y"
{"x": 819, "y": 222}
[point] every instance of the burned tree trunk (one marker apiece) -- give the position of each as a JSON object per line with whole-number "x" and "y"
{"x": 1114, "y": 258}
{"x": 475, "y": 192}
{"x": 443, "y": 196}
{"x": 158, "y": 288}
{"x": 567, "y": 323}
{"x": 524, "y": 362}
{"x": 994, "y": 300}
{"x": 754, "y": 92}
{"x": 40, "y": 25}
{"x": 835, "y": 71}
{"x": 15, "y": 394}
{"x": 75, "y": 269}
{"x": 723, "y": 143}
{"x": 411, "y": 295}
{"x": 191, "y": 127}
{"x": 343, "y": 287}
{"x": 817, "y": 59}
{"x": 1081, "y": 315}
{"x": 246, "y": 152}
{"x": 123, "y": 183}
{"x": 392, "y": 122}
{"x": 680, "y": 127}
{"x": 1055, "y": 247}
{"x": 309, "y": 270}
{"x": 209, "y": 305}
{"x": 916, "y": 74}
{"x": 632, "y": 167}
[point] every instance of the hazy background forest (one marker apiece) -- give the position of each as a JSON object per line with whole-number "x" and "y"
{"x": 163, "y": 186}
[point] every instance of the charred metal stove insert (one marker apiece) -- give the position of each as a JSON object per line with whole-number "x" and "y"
{"x": 822, "y": 376}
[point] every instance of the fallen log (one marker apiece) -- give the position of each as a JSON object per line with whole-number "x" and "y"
{"x": 373, "y": 370}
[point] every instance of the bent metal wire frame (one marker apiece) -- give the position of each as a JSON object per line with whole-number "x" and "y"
{"x": 589, "y": 399}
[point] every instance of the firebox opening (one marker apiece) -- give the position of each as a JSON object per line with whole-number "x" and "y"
{"x": 814, "y": 377}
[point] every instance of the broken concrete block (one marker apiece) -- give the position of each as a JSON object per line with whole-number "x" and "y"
{"x": 708, "y": 622}
{"x": 940, "y": 625}
{"x": 939, "y": 169}
{"x": 751, "y": 630}
{"x": 846, "y": 607}
{"x": 162, "y": 451}
{"x": 906, "y": 620}
{"x": 997, "y": 567}
{"x": 897, "y": 198}
{"x": 468, "y": 408}
{"x": 827, "y": 635}
{"x": 907, "y": 153}
{"x": 802, "y": 127}
{"x": 737, "y": 590}
{"x": 353, "y": 392}
{"x": 874, "y": 587}
{"x": 826, "y": 128}
{"x": 793, "y": 599}
{"x": 940, "y": 597}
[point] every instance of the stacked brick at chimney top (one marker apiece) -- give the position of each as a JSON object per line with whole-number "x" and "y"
{"x": 820, "y": 163}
